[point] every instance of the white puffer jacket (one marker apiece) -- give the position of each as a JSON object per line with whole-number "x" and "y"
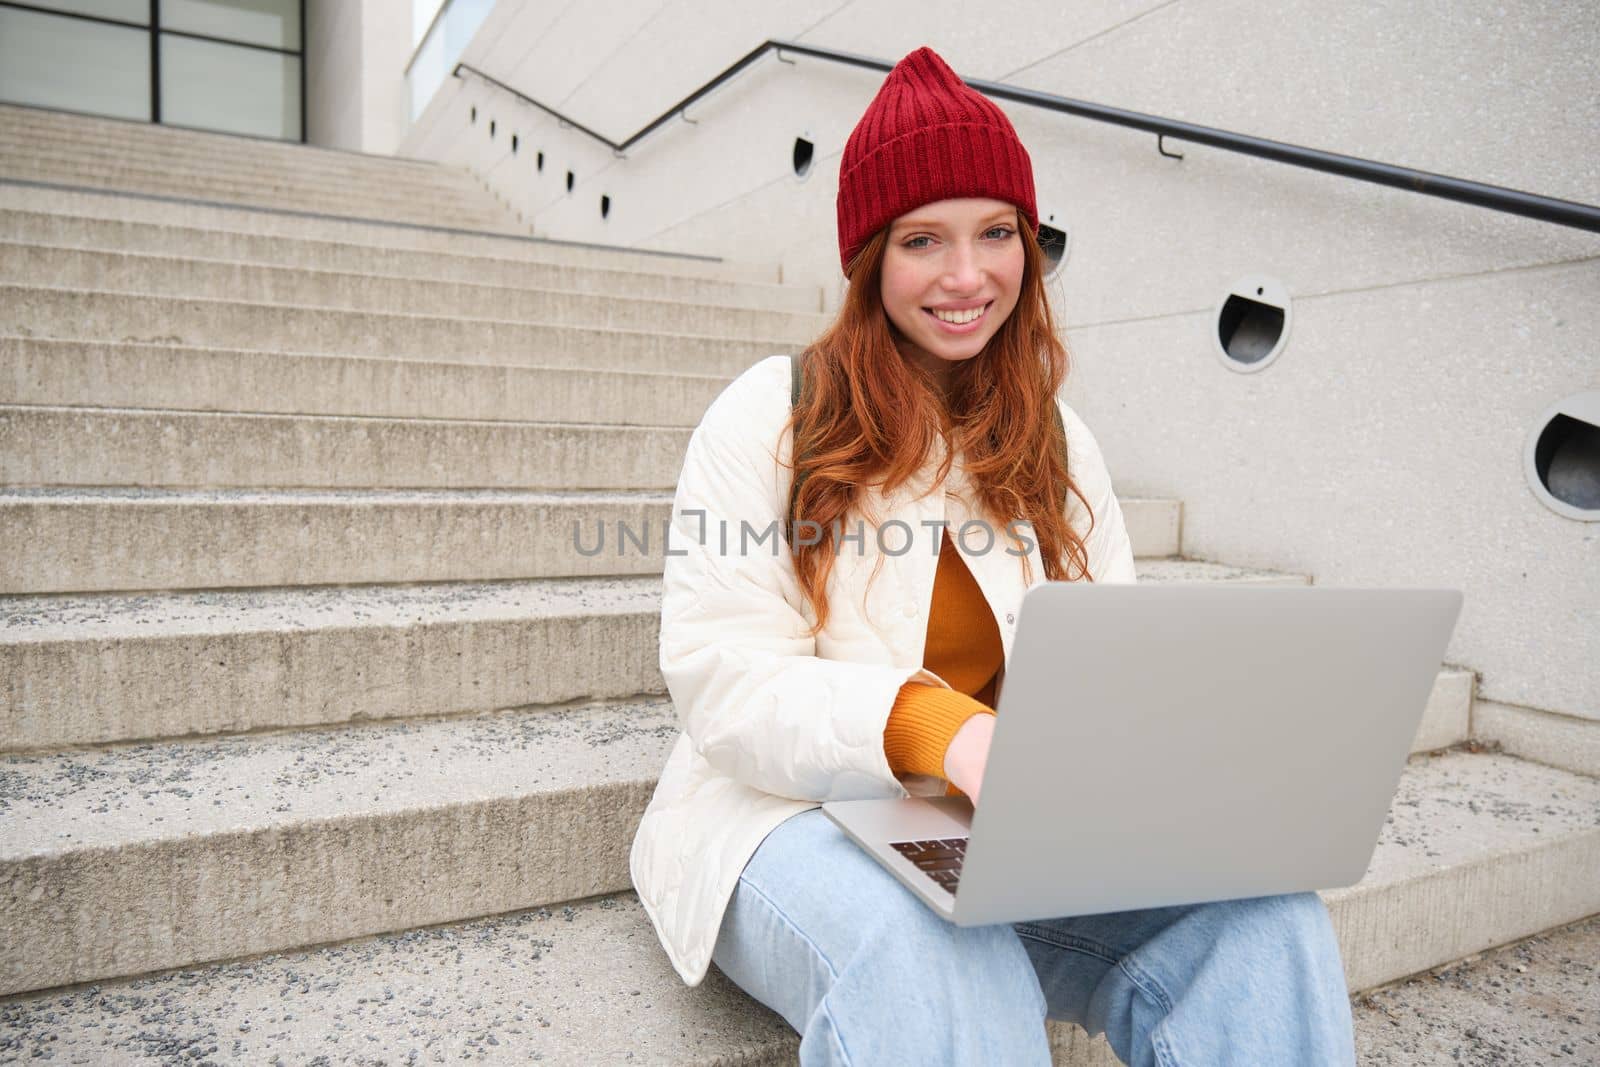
{"x": 775, "y": 722}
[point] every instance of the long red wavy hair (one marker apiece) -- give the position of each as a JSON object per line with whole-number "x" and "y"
{"x": 869, "y": 416}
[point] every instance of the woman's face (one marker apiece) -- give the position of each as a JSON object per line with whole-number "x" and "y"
{"x": 952, "y": 271}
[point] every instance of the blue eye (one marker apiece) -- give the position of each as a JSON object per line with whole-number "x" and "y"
{"x": 1004, "y": 231}
{"x": 912, "y": 243}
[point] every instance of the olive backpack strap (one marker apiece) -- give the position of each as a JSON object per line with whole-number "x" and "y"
{"x": 1061, "y": 443}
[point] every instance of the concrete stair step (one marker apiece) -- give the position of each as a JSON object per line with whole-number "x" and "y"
{"x": 77, "y": 315}
{"x": 105, "y": 540}
{"x": 62, "y": 446}
{"x": 1533, "y": 1002}
{"x": 175, "y": 377}
{"x": 84, "y": 232}
{"x": 90, "y": 166}
{"x": 579, "y": 984}
{"x": 278, "y": 840}
{"x": 22, "y": 126}
{"x": 348, "y": 169}
{"x": 131, "y": 859}
{"x": 603, "y": 993}
{"x": 70, "y": 268}
{"x": 86, "y": 669}
{"x": 509, "y": 241}
{"x": 269, "y": 193}
{"x": 83, "y": 669}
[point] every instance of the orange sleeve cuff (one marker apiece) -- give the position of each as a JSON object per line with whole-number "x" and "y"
{"x": 921, "y": 723}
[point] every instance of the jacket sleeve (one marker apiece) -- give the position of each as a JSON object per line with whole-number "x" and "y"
{"x": 1109, "y": 549}
{"x": 756, "y": 701}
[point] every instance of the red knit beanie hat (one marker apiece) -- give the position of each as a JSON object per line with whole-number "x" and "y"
{"x": 927, "y": 136}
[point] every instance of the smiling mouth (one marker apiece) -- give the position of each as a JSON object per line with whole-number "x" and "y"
{"x": 977, "y": 316}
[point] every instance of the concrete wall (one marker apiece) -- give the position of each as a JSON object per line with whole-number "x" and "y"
{"x": 356, "y": 51}
{"x": 1384, "y": 447}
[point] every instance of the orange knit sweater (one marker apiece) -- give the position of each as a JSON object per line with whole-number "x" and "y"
{"x": 963, "y": 647}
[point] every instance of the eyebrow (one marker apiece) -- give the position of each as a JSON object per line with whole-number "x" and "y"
{"x": 1008, "y": 215}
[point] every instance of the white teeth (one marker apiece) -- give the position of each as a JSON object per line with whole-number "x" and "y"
{"x": 956, "y": 318}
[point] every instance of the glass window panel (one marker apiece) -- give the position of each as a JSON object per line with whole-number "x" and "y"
{"x": 462, "y": 21}
{"x": 427, "y": 72}
{"x": 422, "y": 12}
{"x": 54, "y": 61}
{"x": 275, "y": 23}
{"x": 225, "y": 87}
{"x": 122, "y": 10}
{"x": 443, "y": 46}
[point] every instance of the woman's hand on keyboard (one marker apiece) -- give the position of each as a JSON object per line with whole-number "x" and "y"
{"x": 967, "y": 754}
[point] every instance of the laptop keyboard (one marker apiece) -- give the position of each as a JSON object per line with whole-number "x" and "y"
{"x": 939, "y": 859}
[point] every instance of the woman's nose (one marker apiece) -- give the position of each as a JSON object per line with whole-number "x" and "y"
{"x": 963, "y": 273}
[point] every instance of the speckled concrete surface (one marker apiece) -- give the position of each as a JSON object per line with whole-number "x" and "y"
{"x": 1531, "y": 1004}
{"x": 132, "y": 858}
{"x": 199, "y": 539}
{"x": 96, "y": 154}
{"x": 345, "y": 199}
{"x": 130, "y": 164}
{"x": 1564, "y": 741}
{"x": 519, "y": 247}
{"x": 34, "y": 311}
{"x": 102, "y": 618}
{"x": 587, "y": 983}
{"x": 187, "y": 276}
{"x": 86, "y": 132}
{"x": 460, "y": 207}
{"x": 1477, "y": 850}
{"x": 81, "y": 231}
{"x": 584, "y": 983}
{"x": 68, "y": 446}
{"x": 129, "y": 795}
{"x": 1155, "y": 526}
{"x": 1447, "y": 719}
{"x": 101, "y": 374}
{"x": 78, "y": 669}
{"x": 231, "y": 538}
{"x": 1191, "y": 570}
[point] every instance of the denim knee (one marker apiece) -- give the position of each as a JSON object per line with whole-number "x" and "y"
{"x": 921, "y": 989}
{"x": 1296, "y": 919}
{"x": 864, "y": 970}
{"x": 961, "y": 963}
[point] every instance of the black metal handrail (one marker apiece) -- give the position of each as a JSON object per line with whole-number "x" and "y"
{"x": 1494, "y": 197}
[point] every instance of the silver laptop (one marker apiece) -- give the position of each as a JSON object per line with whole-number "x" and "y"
{"x": 1171, "y": 744}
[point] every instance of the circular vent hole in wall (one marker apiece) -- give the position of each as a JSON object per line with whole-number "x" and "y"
{"x": 569, "y": 181}
{"x": 1252, "y": 324}
{"x": 803, "y": 152}
{"x": 1562, "y": 458}
{"x": 605, "y": 206}
{"x": 1053, "y": 242}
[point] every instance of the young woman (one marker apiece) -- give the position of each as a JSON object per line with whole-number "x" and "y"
{"x": 860, "y": 654}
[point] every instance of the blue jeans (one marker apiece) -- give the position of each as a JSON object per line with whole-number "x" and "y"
{"x": 867, "y": 974}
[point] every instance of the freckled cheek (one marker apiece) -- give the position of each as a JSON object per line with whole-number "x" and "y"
{"x": 1011, "y": 282}
{"x": 902, "y": 298}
